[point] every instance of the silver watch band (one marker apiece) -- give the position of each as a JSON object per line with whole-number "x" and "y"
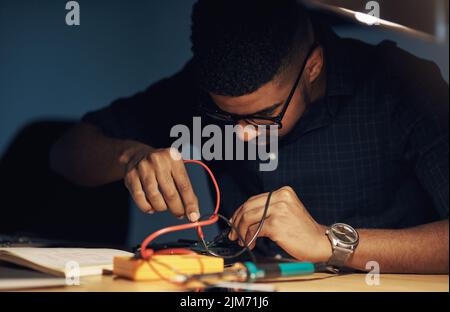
{"x": 339, "y": 258}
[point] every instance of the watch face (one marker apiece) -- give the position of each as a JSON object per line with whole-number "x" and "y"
{"x": 345, "y": 233}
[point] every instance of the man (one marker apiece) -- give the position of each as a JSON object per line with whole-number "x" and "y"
{"x": 363, "y": 139}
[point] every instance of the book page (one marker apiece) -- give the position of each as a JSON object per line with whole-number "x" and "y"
{"x": 58, "y": 258}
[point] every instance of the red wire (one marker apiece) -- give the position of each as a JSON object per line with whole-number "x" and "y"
{"x": 147, "y": 253}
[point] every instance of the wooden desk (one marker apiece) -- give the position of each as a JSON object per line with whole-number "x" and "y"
{"x": 314, "y": 283}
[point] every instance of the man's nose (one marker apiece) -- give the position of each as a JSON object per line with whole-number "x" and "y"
{"x": 246, "y": 131}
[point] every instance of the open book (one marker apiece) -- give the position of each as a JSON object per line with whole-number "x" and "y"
{"x": 63, "y": 261}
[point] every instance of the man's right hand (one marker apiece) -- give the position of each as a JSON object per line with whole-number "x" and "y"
{"x": 158, "y": 181}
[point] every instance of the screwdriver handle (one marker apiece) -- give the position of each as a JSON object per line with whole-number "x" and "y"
{"x": 273, "y": 270}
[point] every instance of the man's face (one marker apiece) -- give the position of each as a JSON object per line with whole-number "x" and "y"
{"x": 269, "y": 100}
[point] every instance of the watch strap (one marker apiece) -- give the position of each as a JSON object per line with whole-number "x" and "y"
{"x": 339, "y": 258}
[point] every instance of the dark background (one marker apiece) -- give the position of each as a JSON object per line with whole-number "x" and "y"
{"x": 51, "y": 71}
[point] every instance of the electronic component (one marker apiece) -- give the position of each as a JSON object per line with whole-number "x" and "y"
{"x": 162, "y": 267}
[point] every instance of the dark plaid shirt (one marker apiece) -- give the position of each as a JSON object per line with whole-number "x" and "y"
{"x": 373, "y": 153}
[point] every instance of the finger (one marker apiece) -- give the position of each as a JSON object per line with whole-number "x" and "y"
{"x": 168, "y": 189}
{"x": 150, "y": 186}
{"x": 249, "y": 218}
{"x": 133, "y": 184}
{"x": 235, "y": 221}
{"x": 250, "y": 233}
{"x": 253, "y": 202}
{"x": 184, "y": 186}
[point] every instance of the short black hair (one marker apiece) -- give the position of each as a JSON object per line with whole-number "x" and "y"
{"x": 239, "y": 45}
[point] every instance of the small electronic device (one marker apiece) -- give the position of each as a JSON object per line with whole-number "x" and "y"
{"x": 223, "y": 247}
{"x": 166, "y": 267}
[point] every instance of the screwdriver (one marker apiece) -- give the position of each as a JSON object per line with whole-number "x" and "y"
{"x": 251, "y": 272}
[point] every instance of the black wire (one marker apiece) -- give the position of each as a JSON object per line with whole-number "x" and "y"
{"x": 240, "y": 252}
{"x": 241, "y": 239}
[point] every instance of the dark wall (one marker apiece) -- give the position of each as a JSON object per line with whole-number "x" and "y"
{"x": 49, "y": 69}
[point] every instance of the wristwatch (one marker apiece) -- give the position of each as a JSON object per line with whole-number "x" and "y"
{"x": 344, "y": 239}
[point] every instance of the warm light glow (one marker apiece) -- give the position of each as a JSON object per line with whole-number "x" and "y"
{"x": 367, "y": 19}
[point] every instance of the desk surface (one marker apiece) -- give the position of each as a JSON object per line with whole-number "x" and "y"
{"x": 313, "y": 283}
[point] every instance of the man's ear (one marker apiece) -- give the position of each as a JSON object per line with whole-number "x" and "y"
{"x": 315, "y": 64}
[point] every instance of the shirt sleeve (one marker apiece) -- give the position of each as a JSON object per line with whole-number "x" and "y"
{"x": 148, "y": 116}
{"x": 428, "y": 150}
{"x": 423, "y": 117}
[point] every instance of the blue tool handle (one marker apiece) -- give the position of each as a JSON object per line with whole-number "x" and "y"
{"x": 272, "y": 270}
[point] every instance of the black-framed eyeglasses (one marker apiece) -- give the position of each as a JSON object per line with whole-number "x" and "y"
{"x": 255, "y": 119}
